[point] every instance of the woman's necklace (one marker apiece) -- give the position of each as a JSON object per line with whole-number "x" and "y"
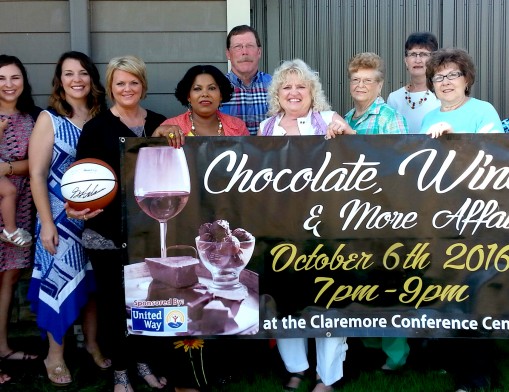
{"x": 84, "y": 120}
{"x": 411, "y": 103}
{"x": 455, "y": 106}
{"x": 80, "y": 115}
{"x": 193, "y": 128}
{"x": 139, "y": 122}
{"x": 79, "y": 119}
{"x": 360, "y": 112}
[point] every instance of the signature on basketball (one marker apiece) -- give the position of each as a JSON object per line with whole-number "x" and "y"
{"x": 90, "y": 191}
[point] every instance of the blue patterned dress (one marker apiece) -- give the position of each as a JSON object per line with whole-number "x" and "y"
{"x": 61, "y": 283}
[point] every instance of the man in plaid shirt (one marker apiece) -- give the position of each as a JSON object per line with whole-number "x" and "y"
{"x": 249, "y": 98}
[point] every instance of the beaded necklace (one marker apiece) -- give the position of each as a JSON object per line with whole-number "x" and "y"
{"x": 413, "y": 104}
{"x": 193, "y": 128}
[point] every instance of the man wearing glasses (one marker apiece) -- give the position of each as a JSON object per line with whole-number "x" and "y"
{"x": 249, "y": 98}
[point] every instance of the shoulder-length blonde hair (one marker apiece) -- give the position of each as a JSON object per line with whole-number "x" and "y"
{"x": 130, "y": 64}
{"x": 303, "y": 71}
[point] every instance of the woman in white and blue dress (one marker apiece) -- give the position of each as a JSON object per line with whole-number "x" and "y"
{"x": 62, "y": 280}
{"x": 298, "y": 107}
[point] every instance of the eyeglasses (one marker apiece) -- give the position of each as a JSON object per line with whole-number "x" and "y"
{"x": 356, "y": 81}
{"x": 451, "y": 76}
{"x": 422, "y": 55}
{"x": 239, "y": 47}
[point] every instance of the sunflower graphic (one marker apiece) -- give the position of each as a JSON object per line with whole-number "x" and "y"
{"x": 189, "y": 345}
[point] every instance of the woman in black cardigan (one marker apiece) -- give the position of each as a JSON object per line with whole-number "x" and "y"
{"x": 126, "y": 86}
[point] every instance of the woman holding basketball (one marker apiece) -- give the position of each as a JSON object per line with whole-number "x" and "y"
{"x": 126, "y": 86}
{"x": 62, "y": 280}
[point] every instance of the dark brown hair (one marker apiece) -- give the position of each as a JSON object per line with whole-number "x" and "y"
{"x": 25, "y": 103}
{"x": 242, "y": 29}
{"x": 459, "y": 57}
{"x": 423, "y": 39}
{"x": 96, "y": 100}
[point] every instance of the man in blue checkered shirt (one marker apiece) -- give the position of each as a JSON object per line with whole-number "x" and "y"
{"x": 249, "y": 98}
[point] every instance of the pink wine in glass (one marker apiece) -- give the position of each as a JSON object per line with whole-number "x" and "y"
{"x": 162, "y": 205}
{"x": 161, "y": 185}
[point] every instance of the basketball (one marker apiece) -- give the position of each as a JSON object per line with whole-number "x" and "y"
{"x": 89, "y": 183}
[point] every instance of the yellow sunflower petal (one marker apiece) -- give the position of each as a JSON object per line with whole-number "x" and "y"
{"x": 178, "y": 344}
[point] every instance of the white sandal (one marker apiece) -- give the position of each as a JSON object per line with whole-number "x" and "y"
{"x": 22, "y": 238}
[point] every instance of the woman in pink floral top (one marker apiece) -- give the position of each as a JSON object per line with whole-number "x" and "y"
{"x": 18, "y": 109}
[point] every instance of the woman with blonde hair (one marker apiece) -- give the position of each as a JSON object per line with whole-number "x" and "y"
{"x": 298, "y": 106}
{"x": 126, "y": 86}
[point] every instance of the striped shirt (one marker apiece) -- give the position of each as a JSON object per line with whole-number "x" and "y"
{"x": 380, "y": 118}
{"x": 249, "y": 103}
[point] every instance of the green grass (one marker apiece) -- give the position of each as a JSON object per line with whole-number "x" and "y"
{"x": 420, "y": 375}
{"x": 367, "y": 382}
{"x": 87, "y": 379}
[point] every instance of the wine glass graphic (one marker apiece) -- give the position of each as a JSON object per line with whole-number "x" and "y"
{"x": 161, "y": 185}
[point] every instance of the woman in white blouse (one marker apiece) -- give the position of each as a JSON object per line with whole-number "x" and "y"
{"x": 298, "y": 106}
{"x": 415, "y": 99}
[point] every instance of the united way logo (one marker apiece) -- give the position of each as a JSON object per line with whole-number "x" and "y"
{"x": 147, "y": 319}
{"x": 175, "y": 319}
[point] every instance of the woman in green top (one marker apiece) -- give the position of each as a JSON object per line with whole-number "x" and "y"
{"x": 371, "y": 115}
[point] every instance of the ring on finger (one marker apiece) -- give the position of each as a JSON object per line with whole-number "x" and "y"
{"x": 171, "y": 135}
{"x": 85, "y": 217}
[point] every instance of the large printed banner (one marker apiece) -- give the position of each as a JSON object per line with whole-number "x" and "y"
{"x": 357, "y": 236}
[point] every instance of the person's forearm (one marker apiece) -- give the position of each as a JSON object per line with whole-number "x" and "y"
{"x": 20, "y": 168}
{"x": 41, "y": 199}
